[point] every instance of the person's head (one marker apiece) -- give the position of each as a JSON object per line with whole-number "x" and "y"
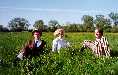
{"x": 98, "y": 33}
{"x": 37, "y": 34}
{"x": 59, "y": 33}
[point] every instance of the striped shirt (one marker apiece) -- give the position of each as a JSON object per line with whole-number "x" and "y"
{"x": 100, "y": 47}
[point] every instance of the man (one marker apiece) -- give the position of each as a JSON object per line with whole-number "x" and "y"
{"x": 100, "y": 46}
{"x": 32, "y": 47}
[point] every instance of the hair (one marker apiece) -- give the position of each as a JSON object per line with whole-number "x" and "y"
{"x": 58, "y": 31}
{"x": 100, "y": 30}
{"x": 38, "y": 31}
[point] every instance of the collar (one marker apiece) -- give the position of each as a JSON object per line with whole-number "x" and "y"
{"x": 37, "y": 40}
{"x": 59, "y": 38}
{"x": 99, "y": 38}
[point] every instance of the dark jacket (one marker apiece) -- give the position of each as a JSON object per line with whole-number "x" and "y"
{"x": 32, "y": 50}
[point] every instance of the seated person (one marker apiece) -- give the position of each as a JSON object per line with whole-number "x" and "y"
{"x": 100, "y": 46}
{"x": 59, "y": 41}
{"x": 32, "y": 47}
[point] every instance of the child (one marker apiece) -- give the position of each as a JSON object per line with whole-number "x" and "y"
{"x": 100, "y": 46}
{"x": 32, "y": 47}
{"x": 59, "y": 41}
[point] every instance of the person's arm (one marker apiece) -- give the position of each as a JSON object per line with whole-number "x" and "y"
{"x": 88, "y": 43}
{"x": 54, "y": 45}
{"x": 105, "y": 46}
{"x": 23, "y": 47}
{"x": 22, "y": 51}
{"x": 27, "y": 44}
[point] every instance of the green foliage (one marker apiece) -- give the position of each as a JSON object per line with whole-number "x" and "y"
{"x": 69, "y": 61}
{"x": 3, "y": 29}
{"x": 88, "y": 23}
{"x": 102, "y": 22}
{"x": 39, "y": 24}
{"x": 53, "y": 25}
{"x": 18, "y": 24}
{"x": 72, "y": 28}
{"x": 114, "y": 17}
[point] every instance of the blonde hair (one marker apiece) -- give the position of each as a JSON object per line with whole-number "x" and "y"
{"x": 58, "y": 31}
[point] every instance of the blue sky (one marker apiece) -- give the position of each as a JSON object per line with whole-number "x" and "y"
{"x": 61, "y": 10}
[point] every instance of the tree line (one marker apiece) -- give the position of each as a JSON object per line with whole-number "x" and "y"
{"x": 108, "y": 24}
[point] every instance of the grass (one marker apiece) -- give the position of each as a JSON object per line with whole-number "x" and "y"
{"x": 69, "y": 61}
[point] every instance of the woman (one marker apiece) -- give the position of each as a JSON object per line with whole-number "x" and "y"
{"x": 59, "y": 41}
{"x": 100, "y": 46}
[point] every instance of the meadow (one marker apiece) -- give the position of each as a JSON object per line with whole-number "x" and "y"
{"x": 69, "y": 61}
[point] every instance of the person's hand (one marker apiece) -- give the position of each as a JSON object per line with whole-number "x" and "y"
{"x": 86, "y": 43}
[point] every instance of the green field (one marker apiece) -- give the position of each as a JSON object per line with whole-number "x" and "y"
{"x": 69, "y": 61}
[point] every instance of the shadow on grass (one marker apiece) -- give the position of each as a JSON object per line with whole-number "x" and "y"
{"x": 114, "y": 53}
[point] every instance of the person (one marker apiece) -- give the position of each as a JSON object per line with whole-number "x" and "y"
{"x": 59, "y": 41}
{"x": 32, "y": 47}
{"x": 100, "y": 46}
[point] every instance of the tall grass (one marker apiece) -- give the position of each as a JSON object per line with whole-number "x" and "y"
{"x": 69, "y": 61}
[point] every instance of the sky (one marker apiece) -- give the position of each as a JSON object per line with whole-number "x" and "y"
{"x": 64, "y": 11}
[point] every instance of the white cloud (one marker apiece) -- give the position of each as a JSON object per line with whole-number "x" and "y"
{"x": 58, "y": 10}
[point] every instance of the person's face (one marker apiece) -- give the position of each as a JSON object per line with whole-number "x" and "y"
{"x": 98, "y": 34}
{"x": 37, "y": 35}
{"x": 61, "y": 34}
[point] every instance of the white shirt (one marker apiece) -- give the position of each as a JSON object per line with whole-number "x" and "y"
{"x": 38, "y": 42}
{"x": 59, "y": 43}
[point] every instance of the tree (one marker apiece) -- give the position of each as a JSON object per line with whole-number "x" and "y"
{"x": 53, "y": 25}
{"x": 72, "y": 27}
{"x": 5, "y": 29}
{"x": 81, "y": 28}
{"x": 88, "y": 23}
{"x": 39, "y": 24}
{"x": 18, "y": 24}
{"x": 1, "y": 27}
{"x": 103, "y": 22}
{"x": 114, "y": 17}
